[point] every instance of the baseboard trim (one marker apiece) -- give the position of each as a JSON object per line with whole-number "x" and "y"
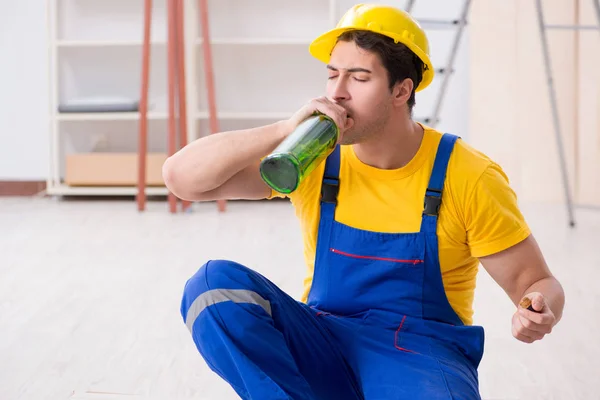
{"x": 21, "y": 188}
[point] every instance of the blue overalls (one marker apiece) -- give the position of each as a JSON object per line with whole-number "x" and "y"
{"x": 377, "y": 324}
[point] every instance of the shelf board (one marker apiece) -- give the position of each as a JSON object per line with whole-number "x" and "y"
{"x": 65, "y": 190}
{"x": 255, "y": 41}
{"x": 109, "y": 116}
{"x": 134, "y": 116}
{"x": 246, "y": 115}
{"x": 104, "y": 43}
{"x": 214, "y": 41}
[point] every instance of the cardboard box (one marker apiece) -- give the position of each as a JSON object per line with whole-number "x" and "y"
{"x": 112, "y": 169}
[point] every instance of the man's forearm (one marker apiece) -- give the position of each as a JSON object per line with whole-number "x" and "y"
{"x": 210, "y": 161}
{"x": 553, "y": 293}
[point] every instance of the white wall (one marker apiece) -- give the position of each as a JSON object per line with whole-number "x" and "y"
{"x": 511, "y": 118}
{"x": 24, "y": 114}
{"x": 24, "y": 87}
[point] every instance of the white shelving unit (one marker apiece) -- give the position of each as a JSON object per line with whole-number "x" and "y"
{"x": 95, "y": 50}
{"x": 263, "y": 72}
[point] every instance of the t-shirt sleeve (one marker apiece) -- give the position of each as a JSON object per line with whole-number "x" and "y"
{"x": 275, "y": 194}
{"x": 493, "y": 219}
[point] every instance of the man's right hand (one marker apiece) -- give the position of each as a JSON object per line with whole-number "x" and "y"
{"x": 325, "y": 106}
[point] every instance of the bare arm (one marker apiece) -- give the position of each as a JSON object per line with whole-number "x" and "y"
{"x": 522, "y": 272}
{"x": 226, "y": 165}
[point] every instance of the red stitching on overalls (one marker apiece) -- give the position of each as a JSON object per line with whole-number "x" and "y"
{"x": 414, "y": 262}
{"x": 324, "y": 314}
{"x": 396, "y": 339}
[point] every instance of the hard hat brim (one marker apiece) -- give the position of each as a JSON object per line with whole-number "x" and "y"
{"x": 322, "y": 46}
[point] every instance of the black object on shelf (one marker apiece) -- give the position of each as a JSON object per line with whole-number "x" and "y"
{"x": 99, "y": 107}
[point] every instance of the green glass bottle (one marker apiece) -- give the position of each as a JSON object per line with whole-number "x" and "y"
{"x": 298, "y": 155}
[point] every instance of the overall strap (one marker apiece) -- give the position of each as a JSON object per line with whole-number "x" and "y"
{"x": 329, "y": 192}
{"x": 433, "y": 195}
{"x": 331, "y": 182}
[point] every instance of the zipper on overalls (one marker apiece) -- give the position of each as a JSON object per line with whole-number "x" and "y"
{"x": 414, "y": 262}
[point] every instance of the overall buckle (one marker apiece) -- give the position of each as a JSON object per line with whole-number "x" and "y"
{"x": 433, "y": 203}
{"x": 329, "y": 190}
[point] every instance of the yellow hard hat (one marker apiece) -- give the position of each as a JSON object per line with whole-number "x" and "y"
{"x": 389, "y": 21}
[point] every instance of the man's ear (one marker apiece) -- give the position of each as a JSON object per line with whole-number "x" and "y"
{"x": 402, "y": 91}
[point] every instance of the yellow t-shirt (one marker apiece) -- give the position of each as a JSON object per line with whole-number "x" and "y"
{"x": 479, "y": 215}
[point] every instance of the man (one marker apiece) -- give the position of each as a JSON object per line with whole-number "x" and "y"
{"x": 392, "y": 246}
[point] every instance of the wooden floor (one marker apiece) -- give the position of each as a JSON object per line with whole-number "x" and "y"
{"x": 90, "y": 292}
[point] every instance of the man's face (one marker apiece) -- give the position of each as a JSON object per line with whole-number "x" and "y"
{"x": 358, "y": 81}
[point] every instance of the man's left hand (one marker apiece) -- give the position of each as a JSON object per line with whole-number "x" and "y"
{"x": 529, "y": 326}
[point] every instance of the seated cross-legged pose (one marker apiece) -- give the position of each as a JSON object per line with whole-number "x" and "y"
{"x": 395, "y": 224}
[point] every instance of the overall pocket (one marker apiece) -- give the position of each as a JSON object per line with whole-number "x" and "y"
{"x": 380, "y": 275}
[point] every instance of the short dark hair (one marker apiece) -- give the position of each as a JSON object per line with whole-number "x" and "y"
{"x": 399, "y": 61}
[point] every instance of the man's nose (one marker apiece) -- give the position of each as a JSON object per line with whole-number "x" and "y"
{"x": 340, "y": 91}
